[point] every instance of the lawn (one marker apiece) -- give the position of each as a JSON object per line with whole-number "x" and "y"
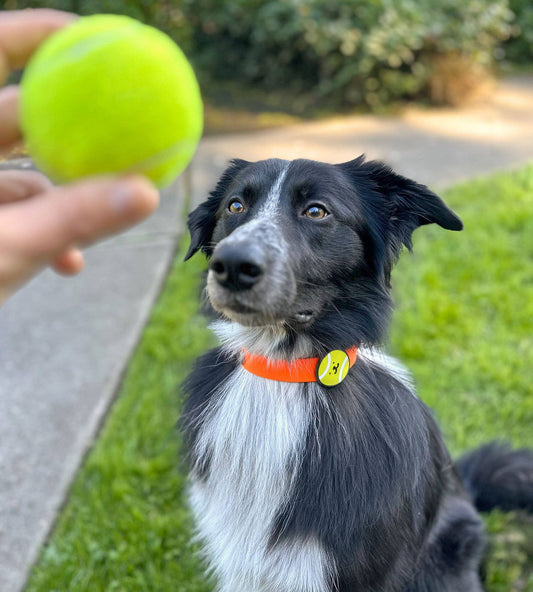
{"x": 463, "y": 326}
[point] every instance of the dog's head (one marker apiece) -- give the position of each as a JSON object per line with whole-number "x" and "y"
{"x": 305, "y": 244}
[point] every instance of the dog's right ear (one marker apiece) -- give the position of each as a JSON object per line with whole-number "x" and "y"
{"x": 201, "y": 221}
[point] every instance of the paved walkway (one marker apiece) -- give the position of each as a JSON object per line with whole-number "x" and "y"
{"x": 65, "y": 343}
{"x": 437, "y": 147}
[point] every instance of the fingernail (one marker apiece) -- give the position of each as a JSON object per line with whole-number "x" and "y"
{"x": 135, "y": 194}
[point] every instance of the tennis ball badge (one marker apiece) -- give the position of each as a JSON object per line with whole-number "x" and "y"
{"x": 108, "y": 94}
{"x": 333, "y": 368}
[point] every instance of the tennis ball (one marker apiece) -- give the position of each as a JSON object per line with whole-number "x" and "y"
{"x": 108, "y": 94}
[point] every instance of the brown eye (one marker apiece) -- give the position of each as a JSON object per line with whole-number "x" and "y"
{"x": 316, "y": 212}
{"x": 236, "y": 207}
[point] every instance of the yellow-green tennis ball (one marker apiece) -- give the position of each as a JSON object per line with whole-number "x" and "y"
{"x": 108, "y": 94}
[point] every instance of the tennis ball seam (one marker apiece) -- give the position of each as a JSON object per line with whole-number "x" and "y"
{"x": 80, "y": 50}
{"x": 159, "y": 157}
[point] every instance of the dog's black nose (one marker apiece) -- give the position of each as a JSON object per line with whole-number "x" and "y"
{"x": 234, "y": 268}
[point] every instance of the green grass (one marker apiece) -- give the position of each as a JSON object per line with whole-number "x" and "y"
{"x": 463, "y": 326}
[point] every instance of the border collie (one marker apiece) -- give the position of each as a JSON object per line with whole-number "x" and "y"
{"x": 313, "y": 472}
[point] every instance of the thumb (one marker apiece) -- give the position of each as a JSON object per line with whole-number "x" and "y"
{"x": 78, "y": 214}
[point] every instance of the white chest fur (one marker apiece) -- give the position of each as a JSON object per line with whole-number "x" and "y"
{"x": 254, "y": 434}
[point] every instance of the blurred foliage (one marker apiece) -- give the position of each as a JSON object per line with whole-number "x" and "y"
{"x": 345, "y": 52}
{"x": 520, "y": 48}
{"x": 302, "y": 55}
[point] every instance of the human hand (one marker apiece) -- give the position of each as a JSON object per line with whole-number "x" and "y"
{"x": 41, "y": 224}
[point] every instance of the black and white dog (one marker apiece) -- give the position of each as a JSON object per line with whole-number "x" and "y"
{"x": 297, "y": 485}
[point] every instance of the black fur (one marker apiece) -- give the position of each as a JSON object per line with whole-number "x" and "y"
{"x": 376, "y": 485}
{"x": 374, "y": 447}
{"x": 498, "y": 477}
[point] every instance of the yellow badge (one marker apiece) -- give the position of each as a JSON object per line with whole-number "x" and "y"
{"x": 333, "y": 368}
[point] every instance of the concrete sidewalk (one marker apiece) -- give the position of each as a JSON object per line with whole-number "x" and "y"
{"x": 65, "y": 343}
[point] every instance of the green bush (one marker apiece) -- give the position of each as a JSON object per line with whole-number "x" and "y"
{"x": 520, "y": 48}
{"x": 345, "y": 52}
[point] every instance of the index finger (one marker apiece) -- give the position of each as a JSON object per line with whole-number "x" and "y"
{"x": 22, "y": 31}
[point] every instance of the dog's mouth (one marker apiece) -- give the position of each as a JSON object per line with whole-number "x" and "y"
{"x": 246, "y": 314}
{"x": 241, "y": 309}
{"x": 255, "y": 315}
{"x": 304, "y": 317}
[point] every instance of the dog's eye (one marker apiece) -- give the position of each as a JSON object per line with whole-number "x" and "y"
{"x": 236, "y": 207}
{"x": 315, "y": 212}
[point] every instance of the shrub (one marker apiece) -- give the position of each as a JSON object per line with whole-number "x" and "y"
{"x": 313, "y": 54}
{"x": 344, "y": 52}
{"x": 520, "y": 48}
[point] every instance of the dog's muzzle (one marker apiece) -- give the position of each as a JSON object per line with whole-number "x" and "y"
{"x": 250, "y": 276}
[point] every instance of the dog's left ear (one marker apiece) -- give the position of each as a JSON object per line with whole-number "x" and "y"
{"x": 405, "y": 203}
{"x": 202, "y": 220}
{"x": 394, "y": 207}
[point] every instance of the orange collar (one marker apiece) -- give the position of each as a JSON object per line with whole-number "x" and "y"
{"x": 329, "y": 371}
